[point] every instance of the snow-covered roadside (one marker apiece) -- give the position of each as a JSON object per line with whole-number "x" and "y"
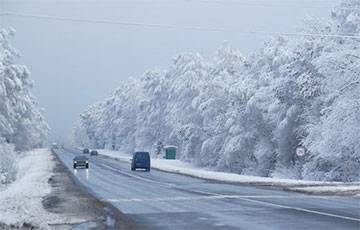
{"x": 328, "y": 190}
{"x": 21, "y": 201}
{"x": 314, "y": 187}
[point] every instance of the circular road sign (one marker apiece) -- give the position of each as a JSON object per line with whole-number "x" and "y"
{"x": 300, "y": 151}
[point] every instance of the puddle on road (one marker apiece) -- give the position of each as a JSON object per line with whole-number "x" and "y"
{"x": 87, "y": 173}
{"x": 110, "y": 222}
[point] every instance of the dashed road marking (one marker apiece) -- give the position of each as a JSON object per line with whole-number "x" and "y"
{"x": 221, "y": 197}
{"x": 185, "y": 198}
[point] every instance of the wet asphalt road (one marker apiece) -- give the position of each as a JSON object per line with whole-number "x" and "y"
{"x": 159, "y": 200}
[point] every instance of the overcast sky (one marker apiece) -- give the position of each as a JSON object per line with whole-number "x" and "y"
{"x": 76, "y": 64}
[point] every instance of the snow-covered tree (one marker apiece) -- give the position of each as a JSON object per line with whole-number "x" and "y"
{"x": 248, "y": 115}
{"x": 21, "y": 123}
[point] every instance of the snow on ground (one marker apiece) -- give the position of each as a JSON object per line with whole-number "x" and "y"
{"x": 333, "y": 190}
{"x": 21, "y": 201}
{"x": 176, "y": 166}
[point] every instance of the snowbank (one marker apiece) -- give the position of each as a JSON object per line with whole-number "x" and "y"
{"x": 329, "y": 190}
{"x": 21, "y": 201}
{"x": 176, "y": 166}
{"x": 7, "y": 163}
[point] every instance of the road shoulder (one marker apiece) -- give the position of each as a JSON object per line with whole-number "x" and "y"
{"x": 70, "y": 199}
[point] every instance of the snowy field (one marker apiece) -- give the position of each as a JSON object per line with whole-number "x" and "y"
{"x": 21, "y": 201}
{"x": 313, "y": 187}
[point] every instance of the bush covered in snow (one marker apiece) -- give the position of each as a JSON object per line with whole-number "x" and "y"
{"x": 21, "y": 123}
{"x": 248, "y": 115}
{"x": 7, "y": 163}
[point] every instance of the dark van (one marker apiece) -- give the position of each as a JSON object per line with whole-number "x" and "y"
{"x": 86, "y": 151}
{"x": 140, "y": 160}
{"x": 94, "y": 153}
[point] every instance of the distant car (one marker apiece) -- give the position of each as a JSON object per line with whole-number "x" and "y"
{"x": 54, "y": 145}
{"x": 140, "y": 160}
{"x": 94, "y": 153}
{"x": 86, "y": 151}
{"x": 81, "y": 161}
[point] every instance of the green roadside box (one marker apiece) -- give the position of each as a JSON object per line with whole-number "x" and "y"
{"x": 170, "y": 152}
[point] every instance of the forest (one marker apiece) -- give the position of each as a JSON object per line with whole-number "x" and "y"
{"x": 247, "y": 115}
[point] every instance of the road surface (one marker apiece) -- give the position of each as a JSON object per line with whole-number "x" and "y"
{"x": 159, "y": 200}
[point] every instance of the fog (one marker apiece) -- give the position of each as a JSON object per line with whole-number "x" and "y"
{"x": 74, "y": 64}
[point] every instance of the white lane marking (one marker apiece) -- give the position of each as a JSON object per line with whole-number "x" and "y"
{"x": 220, "y": 197}
{"x": 296, "y": 208}
{"x": 217, "y": 197}
{"x": 168, "y": 185}
{"x": 238, "y": 197}
{"x": 301, "y": 209}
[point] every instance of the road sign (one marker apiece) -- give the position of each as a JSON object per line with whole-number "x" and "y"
{"x": 300, "y": 151}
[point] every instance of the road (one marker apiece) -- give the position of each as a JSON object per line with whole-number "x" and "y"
{"x": 159, "y": 200}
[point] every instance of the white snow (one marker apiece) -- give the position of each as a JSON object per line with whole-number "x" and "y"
{"x": 247, "y": 115}
{"x": 22, "y": 126}
{"x": 335, "y": 190}
{"x": 21, "y": 201}
{"x": 177, "y": 166}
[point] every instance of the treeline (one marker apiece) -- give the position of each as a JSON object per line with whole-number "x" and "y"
{"x": 248, "y": 114}
{"x": 22, "y": 125}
